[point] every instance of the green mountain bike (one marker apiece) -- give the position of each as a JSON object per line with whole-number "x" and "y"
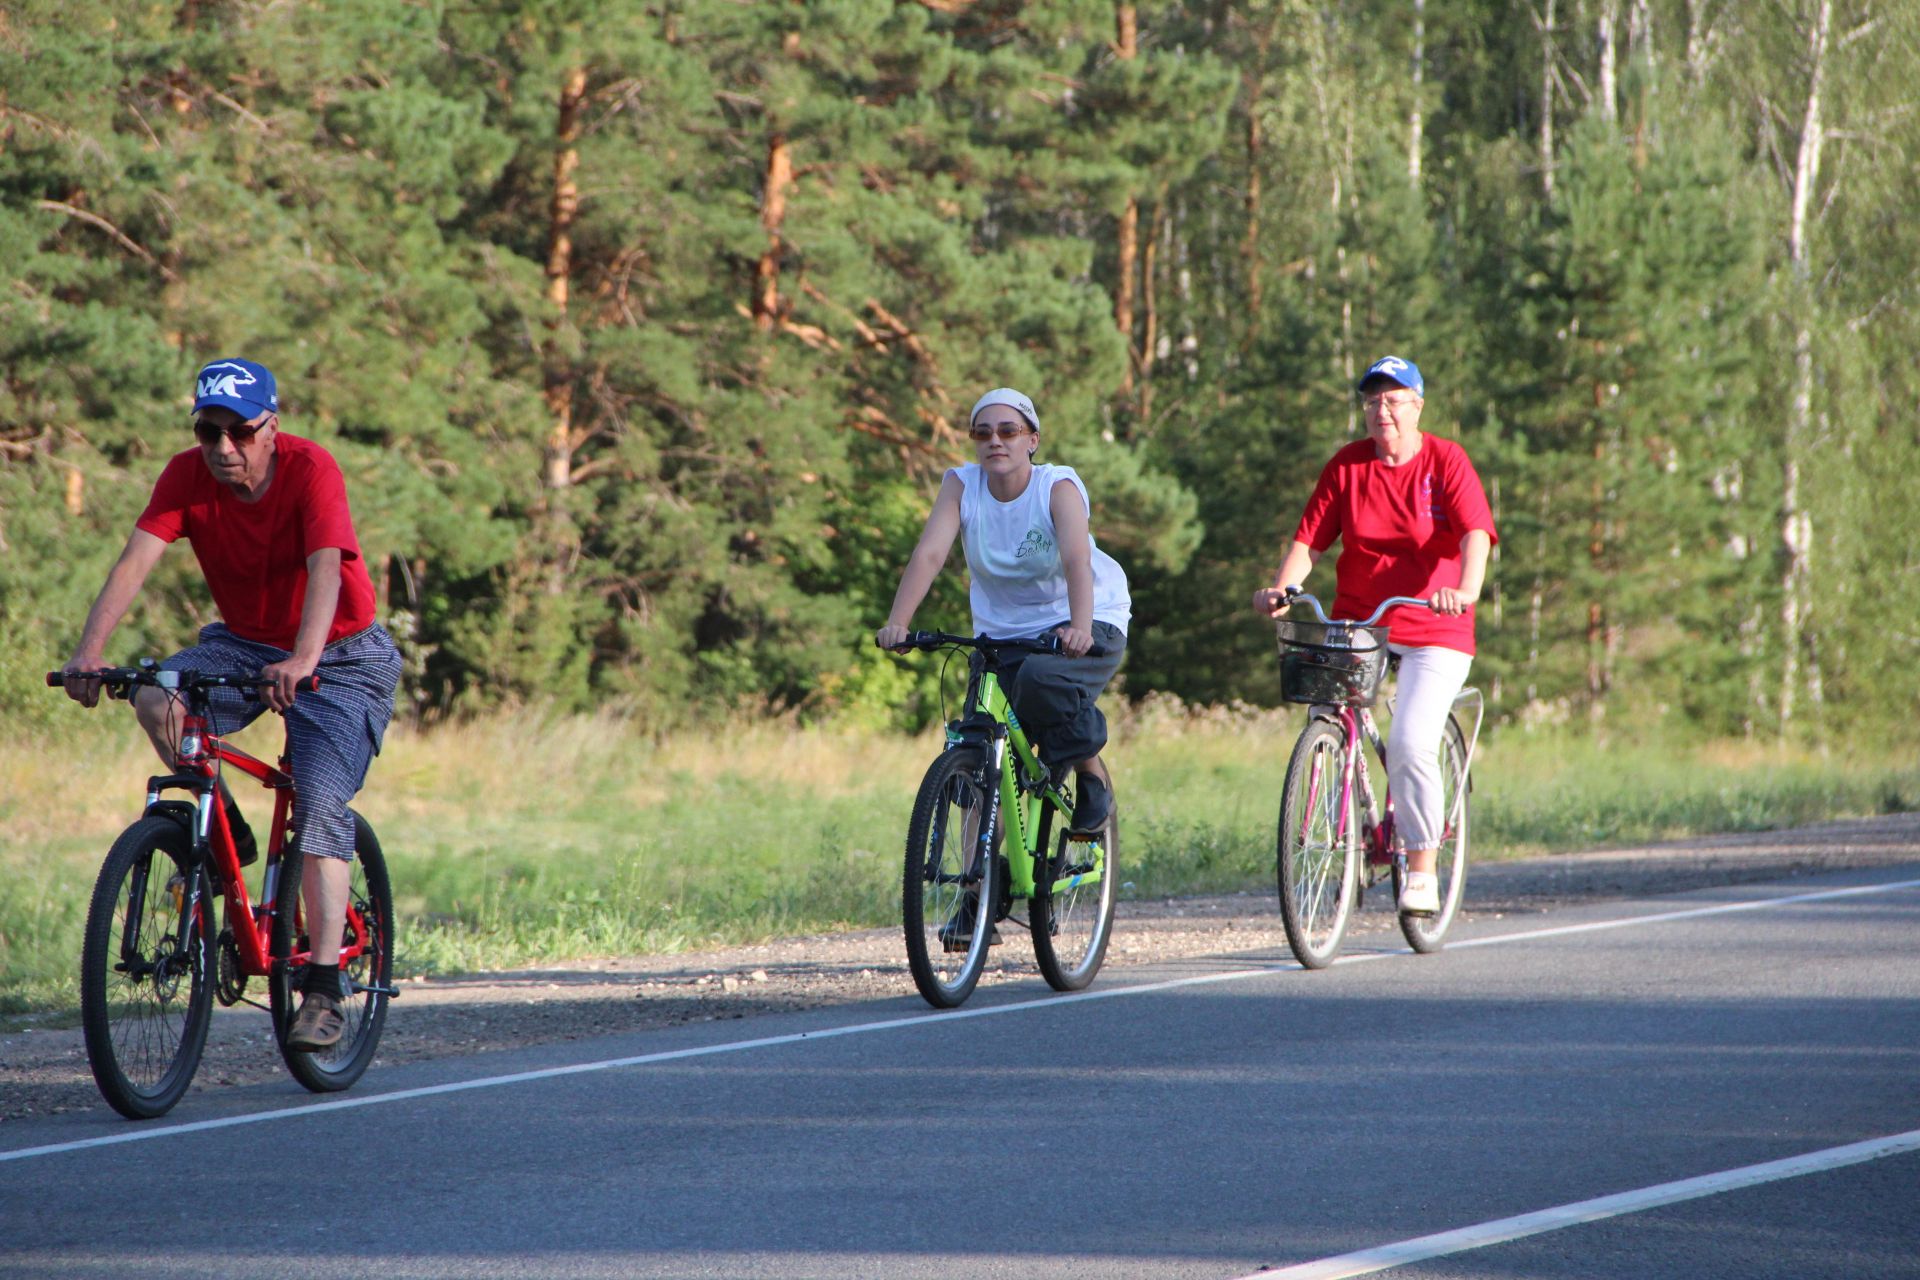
{"x": 963, "y": 875}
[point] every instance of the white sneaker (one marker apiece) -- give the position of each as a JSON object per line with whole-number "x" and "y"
{"x": 1420, "y": 896}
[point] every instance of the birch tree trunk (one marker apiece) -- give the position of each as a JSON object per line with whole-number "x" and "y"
{"x": 1415, "y": 121}
{"x": 1796, "y": 522}
{"x": 1547, "y": 78}
{"x": 1700, "y": 41}
{"x": 1126, "y": 46}
{"x": 1609, "y": 88}
{"x": 1250, "y": 247}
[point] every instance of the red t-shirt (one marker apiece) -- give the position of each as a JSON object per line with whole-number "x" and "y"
{"x": 254, "y": 554}
{"x": 1399, "y": 530}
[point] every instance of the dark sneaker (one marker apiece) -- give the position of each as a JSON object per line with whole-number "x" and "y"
{"x": 243, "y": 842}
{"x": 318, "y": 1024}
{"x": 1092, "y": 805}
{"x": 957, "y": 933}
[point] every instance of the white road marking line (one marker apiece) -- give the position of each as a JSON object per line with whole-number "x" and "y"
{"x": 893, "y": 1024}
{"x": 1445, "y": 1243}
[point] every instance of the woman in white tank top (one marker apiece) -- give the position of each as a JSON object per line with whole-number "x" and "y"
{"x": 1034, "y": 568}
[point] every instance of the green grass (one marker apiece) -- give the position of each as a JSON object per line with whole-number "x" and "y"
{"x": 523, "y": 839}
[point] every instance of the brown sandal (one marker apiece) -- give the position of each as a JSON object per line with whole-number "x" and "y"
{"x": 318, "y": 1025}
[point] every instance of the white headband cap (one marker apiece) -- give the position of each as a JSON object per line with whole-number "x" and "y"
{"x": 1015, "y": 400}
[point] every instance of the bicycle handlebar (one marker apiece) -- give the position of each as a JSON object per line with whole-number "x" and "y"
{"x": 120, "y": 679}
{"x": 941, "y": 639}
{"x": 1390, "y": 602}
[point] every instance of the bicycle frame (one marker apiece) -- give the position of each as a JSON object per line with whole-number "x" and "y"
{"x": 1376, "y": 822}
{"x": 987, "y": 719}
{"x": 197, "y": 769}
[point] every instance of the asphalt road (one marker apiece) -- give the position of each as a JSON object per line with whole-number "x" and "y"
{"x": 1211, "y": 1119}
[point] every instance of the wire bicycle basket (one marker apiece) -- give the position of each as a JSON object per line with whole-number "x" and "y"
{"x": 1331, "y": 663}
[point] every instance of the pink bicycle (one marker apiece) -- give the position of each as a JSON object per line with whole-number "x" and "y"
{"x": 1335, "y": 842}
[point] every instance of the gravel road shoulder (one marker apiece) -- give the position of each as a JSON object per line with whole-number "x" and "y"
{"x": 43, "y": 1068}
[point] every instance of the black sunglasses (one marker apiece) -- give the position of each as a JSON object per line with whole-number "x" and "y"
{"x": 1006, "y": 431}
{"x": 238, "y": 432}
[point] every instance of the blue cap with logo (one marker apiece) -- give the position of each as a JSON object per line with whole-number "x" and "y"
{"x": 1395, "y": 369}
{"x": 240, "y": 385}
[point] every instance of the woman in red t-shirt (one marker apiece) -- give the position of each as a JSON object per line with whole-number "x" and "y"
{"x": 1412, "y": 520}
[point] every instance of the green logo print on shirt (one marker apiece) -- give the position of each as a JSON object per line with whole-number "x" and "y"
{"x": 1037, "y": 544}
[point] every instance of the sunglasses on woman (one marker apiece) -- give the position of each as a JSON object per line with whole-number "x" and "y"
{"x": 1006, "y": 431}
{"x": 238, "y": 432}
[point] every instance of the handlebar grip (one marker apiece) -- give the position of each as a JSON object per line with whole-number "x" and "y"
{"x": 58, "y": 679}
{"x": 307, "y": 685}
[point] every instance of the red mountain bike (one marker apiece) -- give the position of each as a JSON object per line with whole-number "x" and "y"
{"x": 156, "y": 955}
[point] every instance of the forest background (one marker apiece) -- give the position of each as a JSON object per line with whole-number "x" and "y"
{"x": 644, "y": 329}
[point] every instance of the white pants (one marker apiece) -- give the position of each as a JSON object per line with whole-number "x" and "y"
{"x": 1430, "y": 678}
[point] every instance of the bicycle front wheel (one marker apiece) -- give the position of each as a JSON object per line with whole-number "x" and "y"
{"x": 1319, "y": 849}
{"x": 366, "y": 974}
{"x": 1427, "y": 934}
{"x": 145, "y": 980}
{"x": 948, "y": 898}
{"x": 1072, "y": 907}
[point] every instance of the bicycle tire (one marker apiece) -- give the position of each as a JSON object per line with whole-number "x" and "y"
{"x": 371, "y": 893}
{"x": 1318, "y": 847}
{"x": 1072, "y": 923}
{"x": 943, "y": 836}
{"x": 144, "y": 1033}
{"x": 1427, "y": 934}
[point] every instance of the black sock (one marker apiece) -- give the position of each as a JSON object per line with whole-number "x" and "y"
{"x": 324, "y": 978}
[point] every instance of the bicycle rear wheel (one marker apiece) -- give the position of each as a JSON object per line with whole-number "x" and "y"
{"x": 366, "y": 975}
{"x": 1072, "y": 907}
{"x": 1319, "y": 849}
{"x": 145, "y": 977}
{"x": 948, "y": 896}
{"x": 1427, "y": 934}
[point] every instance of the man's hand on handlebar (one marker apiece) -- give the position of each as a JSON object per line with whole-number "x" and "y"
{"x": 893, "y": 636}
{"x": 1272, "y": 601}
{"x": 285, "y": 678}
{"x": 1451, "y": 601}
{"x": 83, "y": 691}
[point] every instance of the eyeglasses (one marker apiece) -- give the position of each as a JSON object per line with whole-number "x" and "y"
{"x": 238, "y": 432}
{"x": 1382, "y": 403}
{"x": 1006, "y": 431}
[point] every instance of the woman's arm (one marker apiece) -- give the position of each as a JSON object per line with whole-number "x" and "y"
{"x": 1473, "y": 573}
{"x": 924, "y": 565}
{"x": 1076, "y": 561}
{"x": 1293, "y": 571}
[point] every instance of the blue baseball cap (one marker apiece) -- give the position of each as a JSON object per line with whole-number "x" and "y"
{"x": 240, "y": 385}
{"x": 1395, "y": 369}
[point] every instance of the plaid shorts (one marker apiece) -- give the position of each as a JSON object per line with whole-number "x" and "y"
{"x": 333, "y": 733}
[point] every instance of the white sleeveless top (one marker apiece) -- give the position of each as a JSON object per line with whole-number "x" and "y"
{"x": 1019, "y": 586}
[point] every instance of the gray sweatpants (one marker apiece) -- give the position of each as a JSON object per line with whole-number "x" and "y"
{"x": 1054, "y": 697}
{"x": 333, "y": 733}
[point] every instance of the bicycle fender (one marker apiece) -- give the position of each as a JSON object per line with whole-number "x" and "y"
{"x": 181, "y": 811}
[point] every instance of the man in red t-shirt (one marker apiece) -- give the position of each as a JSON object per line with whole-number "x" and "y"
{"x": 1412, "y": 520}
{"x": 268, "y": 519}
